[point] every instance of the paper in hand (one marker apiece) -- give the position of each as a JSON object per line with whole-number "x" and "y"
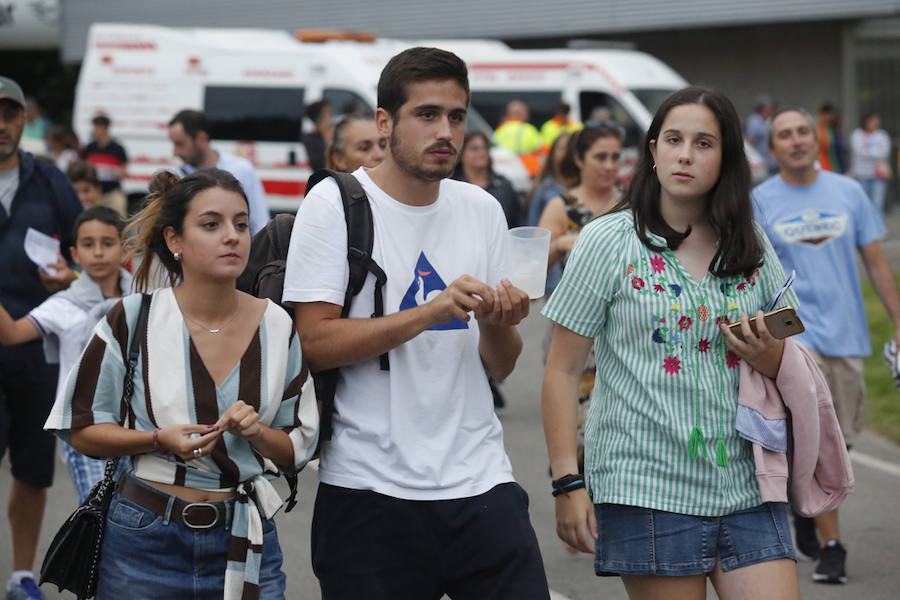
{"x": 42, "y": 249}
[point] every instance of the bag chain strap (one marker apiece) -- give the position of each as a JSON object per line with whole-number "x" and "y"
{"x": 108, "y": 481}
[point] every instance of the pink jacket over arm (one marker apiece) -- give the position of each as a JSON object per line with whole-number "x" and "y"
{"x": 815, "y": 470}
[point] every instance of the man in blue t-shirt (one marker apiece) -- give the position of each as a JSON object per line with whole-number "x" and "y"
{"x": 817, "y": 220}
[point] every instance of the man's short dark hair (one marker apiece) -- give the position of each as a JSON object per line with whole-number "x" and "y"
{"x": 103, "y": 214}
{"x": 563, "y": 108}
{"x": 314, "y": 110}
{"x": 101, "y": 120}
{"x": 192, "y": 121}
{"x": 414, "y": 66}
{"x": 82, "y": 170}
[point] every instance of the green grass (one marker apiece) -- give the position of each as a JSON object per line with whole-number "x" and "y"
{"x": 882, "y": 396}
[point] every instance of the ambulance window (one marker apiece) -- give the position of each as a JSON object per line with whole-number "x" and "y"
{"x": 652, "y": 98}
{"x": 492, "y": 105}
{"x": 344, "y": 102}
{"x": 263, "y": 114}
{"x": 600, "y": 106}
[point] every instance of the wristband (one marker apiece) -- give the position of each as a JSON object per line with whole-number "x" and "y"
{"x": 567, "y": 483}
{"x": 156, "y": 445}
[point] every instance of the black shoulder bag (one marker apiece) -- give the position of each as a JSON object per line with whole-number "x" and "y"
{"x": 73, "y": 559}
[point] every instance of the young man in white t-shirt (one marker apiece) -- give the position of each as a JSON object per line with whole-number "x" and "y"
{"x": 417, "y": 497}
{"x": 66, "y": 319}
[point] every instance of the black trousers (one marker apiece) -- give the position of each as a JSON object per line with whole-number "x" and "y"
{"x": 368, "y": 545}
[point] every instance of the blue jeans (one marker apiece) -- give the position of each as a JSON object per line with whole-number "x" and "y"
{"x": 875, "y": 189}
{"x": 148, "y": 557}
{"x": 644, "y": 541}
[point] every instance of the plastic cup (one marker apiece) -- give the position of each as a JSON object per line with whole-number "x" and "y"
{"x": 529, "y": 248}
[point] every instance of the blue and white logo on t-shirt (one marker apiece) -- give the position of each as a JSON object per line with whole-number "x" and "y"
{"x": 812, "y": 226}
{"x": 426, "y": 285}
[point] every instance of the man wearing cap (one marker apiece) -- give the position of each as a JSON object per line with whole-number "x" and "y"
{"x": 33, "y": 195}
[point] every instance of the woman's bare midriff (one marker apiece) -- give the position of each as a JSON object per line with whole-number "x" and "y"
{"x": 192, "y": 494}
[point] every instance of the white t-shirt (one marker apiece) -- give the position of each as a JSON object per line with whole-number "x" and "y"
{"x": 60, "y": 318}
{"x": 243, "y": 171}
{"x": 426, "y": 429}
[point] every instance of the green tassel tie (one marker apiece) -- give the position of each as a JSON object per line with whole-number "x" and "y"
{"x": 697, "y": 443}
{"x": 721, "y": 455}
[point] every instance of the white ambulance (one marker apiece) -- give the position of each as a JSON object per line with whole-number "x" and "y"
{"x": 253, "y": 86}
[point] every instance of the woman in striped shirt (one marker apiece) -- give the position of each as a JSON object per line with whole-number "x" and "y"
{"x": 671, "y": 494}
{"x": 215, "y": 413}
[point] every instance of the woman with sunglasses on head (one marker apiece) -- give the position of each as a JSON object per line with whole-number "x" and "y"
{"x": 591, "y": 163}
{"x": 215, "y": 411}
{"x": 673, "y": 497}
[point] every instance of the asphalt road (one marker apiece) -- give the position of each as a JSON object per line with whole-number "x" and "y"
{"x": 870, "y": 529}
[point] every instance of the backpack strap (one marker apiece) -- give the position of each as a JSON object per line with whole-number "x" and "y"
{"x": 360, "y": 241}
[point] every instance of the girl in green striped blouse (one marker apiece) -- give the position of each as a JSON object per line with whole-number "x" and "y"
{"x": 671, "y": 496}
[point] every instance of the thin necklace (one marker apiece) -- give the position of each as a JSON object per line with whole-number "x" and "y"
{"x": 220, "y": 327}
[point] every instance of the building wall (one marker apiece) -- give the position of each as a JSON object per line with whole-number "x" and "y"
{"x": 506, "y": 19}
{"x": 795, "y": 63}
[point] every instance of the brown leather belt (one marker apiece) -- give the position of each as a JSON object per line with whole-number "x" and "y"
{"x": 196, "y": 515}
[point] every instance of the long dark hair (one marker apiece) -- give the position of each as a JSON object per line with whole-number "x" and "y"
{"x": 727, "y": 203}
{"x": 165, "y": 206}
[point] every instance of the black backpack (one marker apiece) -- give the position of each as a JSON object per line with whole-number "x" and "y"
{"x": 264, "y": 275}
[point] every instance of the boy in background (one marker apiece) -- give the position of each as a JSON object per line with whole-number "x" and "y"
{"x": 66, "y": 319}
{"x": 87, "y": 185}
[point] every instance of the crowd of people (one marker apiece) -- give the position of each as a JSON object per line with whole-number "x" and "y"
{"x": 646, "y": 401}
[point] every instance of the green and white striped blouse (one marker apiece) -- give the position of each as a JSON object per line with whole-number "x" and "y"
{"x": 663, "y": 371}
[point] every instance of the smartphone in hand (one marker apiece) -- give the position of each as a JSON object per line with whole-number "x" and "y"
{"x": 781, "y": 323}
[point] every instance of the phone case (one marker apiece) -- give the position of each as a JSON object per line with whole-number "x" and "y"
{"x": 781, "y": 323}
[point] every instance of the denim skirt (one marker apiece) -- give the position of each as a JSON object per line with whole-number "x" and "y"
{"x": 644, "y": 541}
{"x": 147, "y": 557}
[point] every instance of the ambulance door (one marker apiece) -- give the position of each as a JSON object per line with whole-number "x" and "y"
{"x": 347, "y": 102}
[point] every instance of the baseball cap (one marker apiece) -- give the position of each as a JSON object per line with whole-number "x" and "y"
{"x": 11, "y": 90}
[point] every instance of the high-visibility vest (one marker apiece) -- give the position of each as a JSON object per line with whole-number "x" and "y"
{"x": 524, "y": 139}
{"x": 519, "y": 136}
{"x": 552, "y": 128}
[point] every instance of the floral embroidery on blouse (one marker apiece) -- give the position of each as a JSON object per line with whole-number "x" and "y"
{"x": 649, "y": 277}
{"x": 672, "y": 365}
{"x": 732, "y": 359}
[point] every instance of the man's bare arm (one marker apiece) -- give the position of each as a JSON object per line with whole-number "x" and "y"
{"x": 329, "y": 341}
{"x": 883, "y": 281}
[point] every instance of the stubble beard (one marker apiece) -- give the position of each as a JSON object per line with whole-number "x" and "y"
{"x": 407, "y": 163}
{"x": 7, "y": 154}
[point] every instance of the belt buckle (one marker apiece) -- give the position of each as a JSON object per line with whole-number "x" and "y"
{"x": 202, "y": 505}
